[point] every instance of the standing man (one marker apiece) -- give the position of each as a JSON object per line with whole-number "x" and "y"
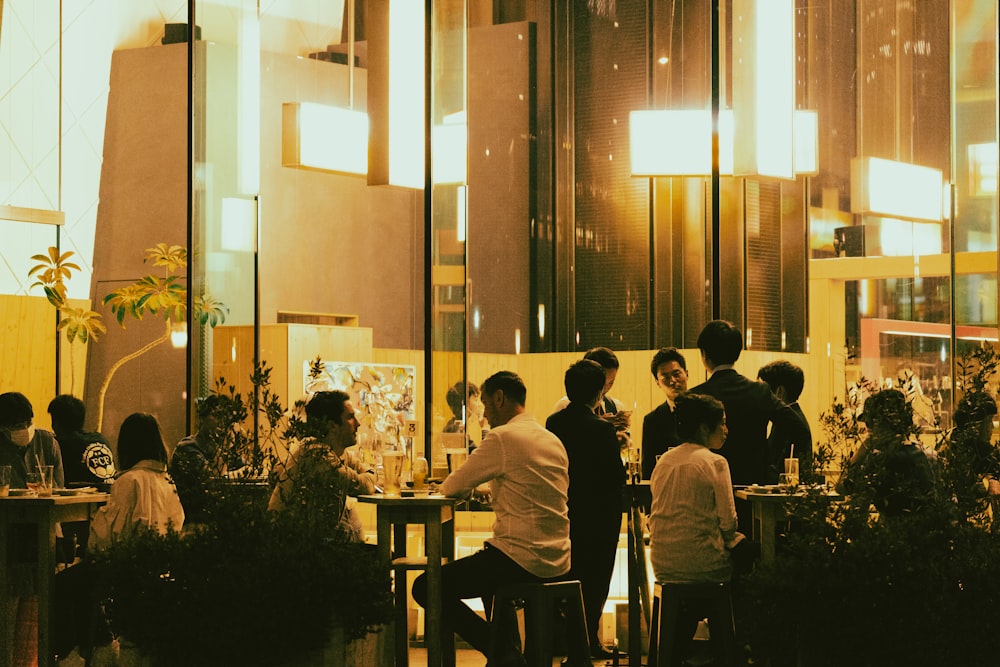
{"x": 750, "y": 406}
{"x": 526, "y": 468}
{"x": 608, "y": 408}
{"x": 786, "y": 381}
{"x": 596, "y": 480}
{"x": 659, "y": 427}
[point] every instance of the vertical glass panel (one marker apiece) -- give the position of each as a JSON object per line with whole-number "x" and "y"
{"x": 459, "y": 211}
{"x": 611, "y": 234}
{"x": 227, "y": 159}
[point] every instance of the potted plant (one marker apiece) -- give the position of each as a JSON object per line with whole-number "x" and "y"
{"x": 250, "y": 588}
{"x": 850, "y": 587}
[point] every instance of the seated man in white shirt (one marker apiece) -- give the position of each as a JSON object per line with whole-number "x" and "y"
{"x": 527, "y": 471}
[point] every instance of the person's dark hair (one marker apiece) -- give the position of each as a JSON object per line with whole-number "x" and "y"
{"x": 458, "y": 394}
{"x": 664, "y": 355}
{"x": 604, "y": 356}
{"x": 973, "y": 408}
{"x": 326, "y": 406}
{"x": 68, "y": 413}
{"x": 15, "y": 408}
{"x": 139, "y": 439}
{"x": 511, "y": 385}
{"x": 782, "y": 373}
{"x": 696, "y": 410}
{"x": 205, "y": 405}
{"x": 888, "y": 410}
{"x": 584, "y": 381}
{"x": 721, "y": 342}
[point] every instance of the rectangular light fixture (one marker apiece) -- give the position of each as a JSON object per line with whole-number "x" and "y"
{"x": 396, "y": 92}
{"x": 325, "y": 138}
{"x": 678, "y": 142}
{"x": 764, "y": 87}
{"x": 896, "y": 189}
{"x": 449, "y": 141}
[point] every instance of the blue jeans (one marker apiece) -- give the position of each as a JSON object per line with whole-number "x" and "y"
{"x": 477, "y": 576}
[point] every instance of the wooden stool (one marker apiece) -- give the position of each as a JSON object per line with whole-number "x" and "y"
{"x": 667, "y": 599}
{"x": 539, "y": 602}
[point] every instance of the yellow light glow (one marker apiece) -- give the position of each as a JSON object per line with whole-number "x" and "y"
{"x": 806, "y": 142}
{"x": 462, "y": 214}
{"x": 316, "y": 136}
{"x": 449, "y": 141}
{"x": 983, "y": 169}
{"x": 541, "y": 321}
{"x": 896, "y": 189}
{"x": 178, "y": 335}
{"x": 678, "y": 142}
{"x": 764, "y": 87}
{"x": 406, "y": 93}
{"x": 517, "y": 341}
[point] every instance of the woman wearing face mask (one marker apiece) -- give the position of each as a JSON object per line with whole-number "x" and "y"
{"x": 22, "y": 446}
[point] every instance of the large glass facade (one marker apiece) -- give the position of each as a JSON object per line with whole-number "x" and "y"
{"x": 523, "y": 232}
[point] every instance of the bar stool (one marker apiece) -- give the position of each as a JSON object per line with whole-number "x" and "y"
{"x": 667, "y": 600}
{"x": 540, "y": 602}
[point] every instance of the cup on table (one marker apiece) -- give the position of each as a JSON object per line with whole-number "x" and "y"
{"x": 792, "y": 469}
{"x": 392, "y": 466}
{"x": 45, "y": 481}
{"x": 420, "y": 469}
{"x": 4, "y": 480}
{"x": 787, "y": 483}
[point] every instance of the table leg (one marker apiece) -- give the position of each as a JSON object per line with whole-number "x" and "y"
{"x": 7, "y": 601}
{"x": 432, "y": 627}
{"x": 46, "y": 573}
{"x": 768, "y": 527}
{"x": 448, "y": 553}
{"x": 634, "y": 608}
{"x": 384, "y": 537}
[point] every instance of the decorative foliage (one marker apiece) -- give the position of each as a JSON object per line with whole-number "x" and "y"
{"x": 917, "y": 587}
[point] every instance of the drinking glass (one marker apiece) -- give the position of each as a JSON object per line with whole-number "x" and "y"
{"x": 4, "y": 480}
{"x": 786, "y": 482}
{"x": 792, "y": 469}
{"x": 420, "y": 469}
{"x": 33, "y": 480}
{"x": 45, "y": 480}
{"x": 392, "y": 465}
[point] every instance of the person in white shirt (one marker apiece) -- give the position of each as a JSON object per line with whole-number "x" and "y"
{"x": 526, "y": 468}
{"x": 143, "y": 494}
{"x": 692, "y": 526}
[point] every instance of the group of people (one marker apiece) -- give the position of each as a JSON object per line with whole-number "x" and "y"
{"x": 557, "y": 490}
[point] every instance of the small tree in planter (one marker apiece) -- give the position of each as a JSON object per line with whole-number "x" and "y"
{"x": 850, "y": 587}
{"x": 251, "y": 587}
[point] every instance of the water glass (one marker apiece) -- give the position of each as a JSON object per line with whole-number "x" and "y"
{"x": 420, "y": 469}
{"x": 4, "y": 480}
{"x": 792, "y": 469}
{"x": 45, "y": 480}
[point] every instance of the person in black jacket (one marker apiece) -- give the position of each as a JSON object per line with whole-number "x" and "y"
{"x": 786, "y": 381}
{"x": 659, "y": 427}
{"x": 596, "y": 480}
{"x": 750, "y": 407}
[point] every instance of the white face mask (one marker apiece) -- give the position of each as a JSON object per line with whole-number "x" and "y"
{"x": 22, "y": 437}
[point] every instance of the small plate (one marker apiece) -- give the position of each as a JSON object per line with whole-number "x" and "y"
{"x": 74, "y": 492}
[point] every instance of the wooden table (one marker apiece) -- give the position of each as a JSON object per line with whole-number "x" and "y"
{"x": 768, "y": 509}
{"x": 437, "y": 515}
{"x": 43, "y": 514}
{"x": 636, "y": 502}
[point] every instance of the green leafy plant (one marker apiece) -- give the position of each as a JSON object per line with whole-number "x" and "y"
{"x": 251, "y": 587}
{"x": 917, "y": 588}
{"x": 160, "y": 294}
{"x": 81, "y": 325}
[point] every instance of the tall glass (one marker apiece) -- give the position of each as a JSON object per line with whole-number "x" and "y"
{"x": 392, "y": 464}
{"x": 4, "y": 480}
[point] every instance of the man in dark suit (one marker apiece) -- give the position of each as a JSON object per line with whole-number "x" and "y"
{"x": 750, "y": 406}
{"x": 659, "y": 428}
{"x": 596, "y": 479}
{"x": 786, "y": 381}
